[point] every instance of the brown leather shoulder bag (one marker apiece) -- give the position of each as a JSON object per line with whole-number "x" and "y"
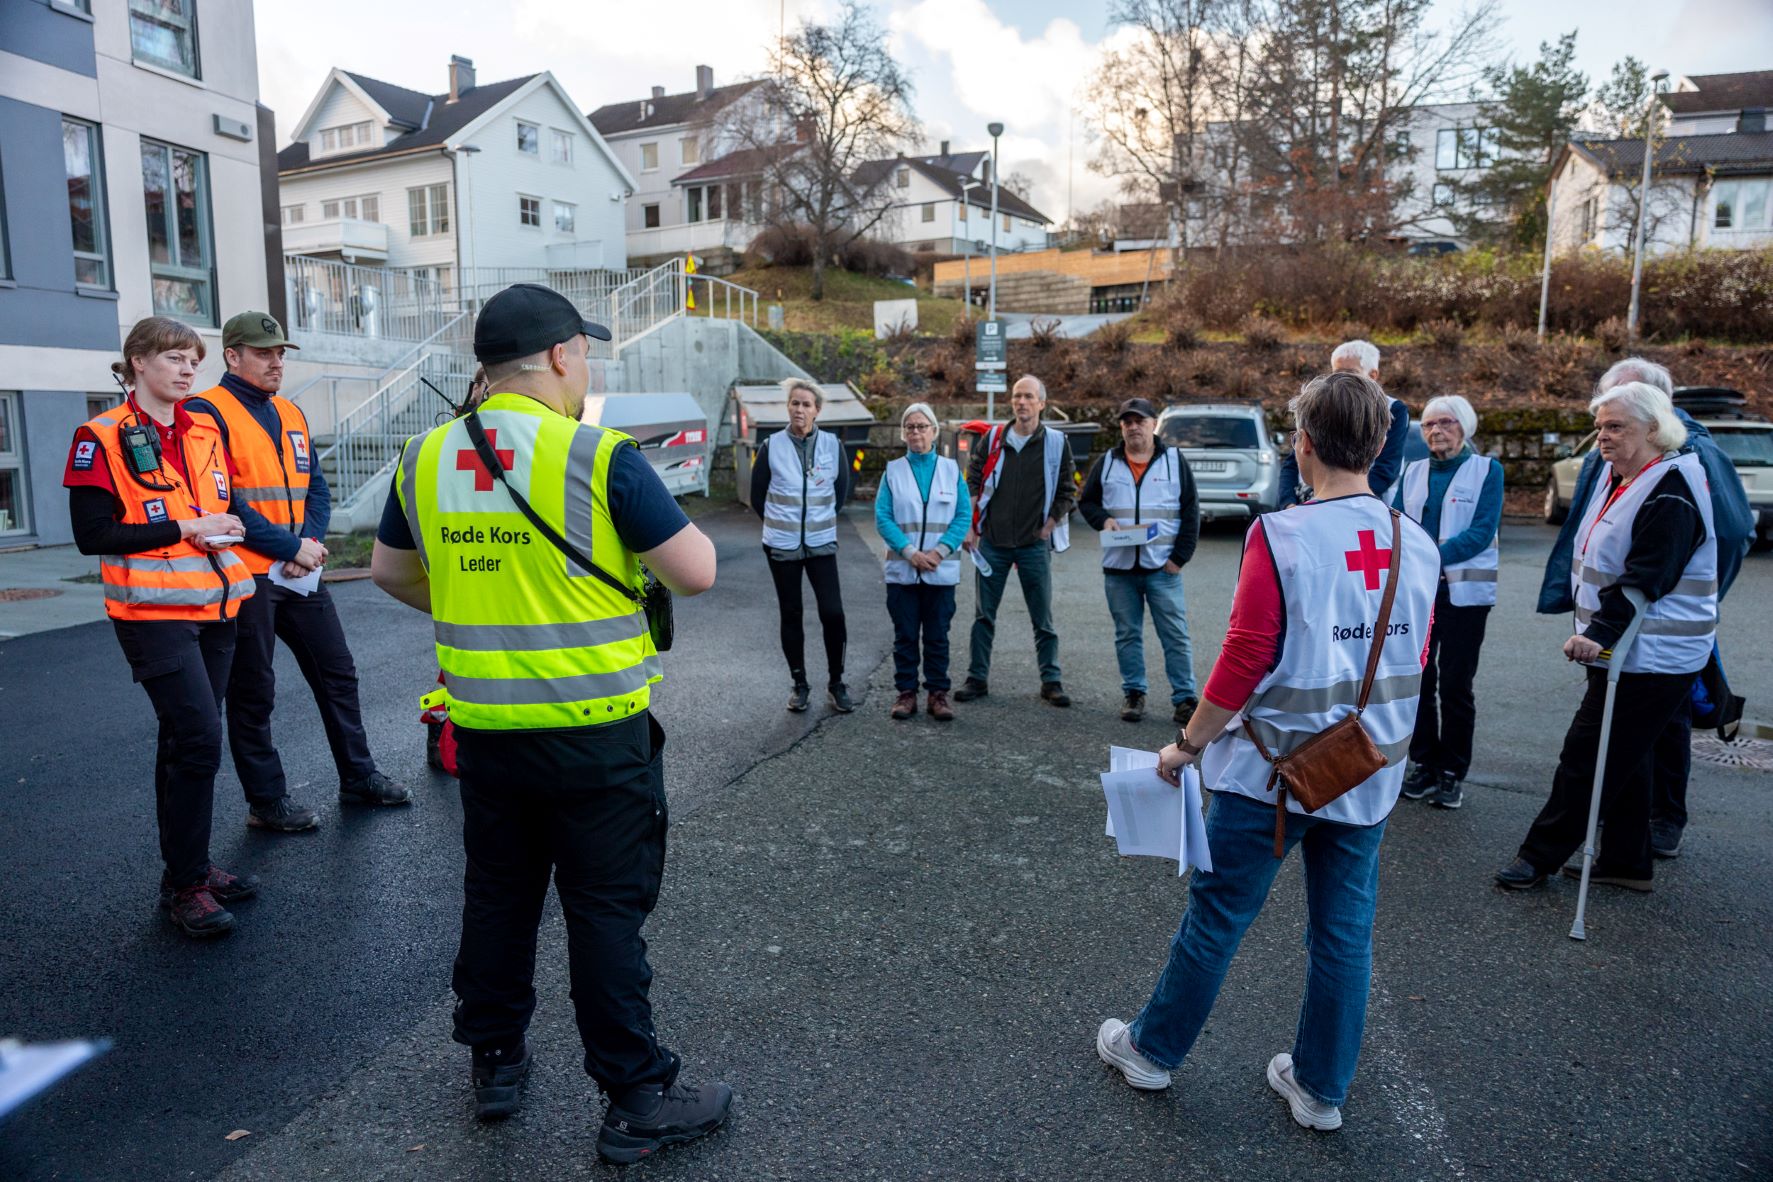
{"x": 1342, "y": 755}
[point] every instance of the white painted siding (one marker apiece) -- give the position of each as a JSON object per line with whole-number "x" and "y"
{"x": 341, "y": 108}
{"x": 389, "y": 180}
{"x": 905, "y": 224}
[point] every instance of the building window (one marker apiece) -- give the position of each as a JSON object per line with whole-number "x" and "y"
{"x": 714, "y": 203}
{"x": 1006, "y": 221}
{"x": 960, "y": 213}
{"x": 427, "y": 210}
{"x": 164, "y": 33}
{"x": 649, "y": 158}
{"x": 293, "y": 215}
{"x": 564, "y": 216}
{"x": 86, "y": 203}
{"x": 529, "y": 139}
{"x": 1462, "y": 147}
{"x": 927, "y": 211}
{"x": 529, "y": 211}
{"x": 351, "y": 135}
{"x": 368, "y": 208}
{"x": 98, "y": 404}
{"x": 1740, "y": 205}
{"x": 13, "y": 518}
{"x": 694, "y": 209}
{"x": 1400, "y": 144}
{"x": 560, "y": 147}
{"x": 690, "y": 150}
{"x": 1442, "y": 195}
{"x": 1591, "y": 212}
{"x": 649, "y": 217}
{"x": 902, "y": 178}
{"x": 175, "y": 191}
{"x": 5, "y": 248}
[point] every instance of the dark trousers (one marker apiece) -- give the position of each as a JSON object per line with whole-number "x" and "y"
{"x": 920, "y": 611}
{"x": 1673, "y": 763}
{"x": 588, "y": 807}
{"x": 309, "y": 625}
{"x": 184, "y": 668}
{"x": 1034, "y": 570}
{"x": 1447, "y": 713}
{"x": 1644, "y": 705}
{"x": 828, "y": 595}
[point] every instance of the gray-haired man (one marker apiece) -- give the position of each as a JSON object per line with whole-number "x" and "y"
{"x": 1360, "y": 357}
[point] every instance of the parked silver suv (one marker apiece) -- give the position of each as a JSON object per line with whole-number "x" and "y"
{"x": 1233, "y": 456}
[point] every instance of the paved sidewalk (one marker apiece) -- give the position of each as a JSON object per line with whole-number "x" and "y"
{"x": 53, "y": 569}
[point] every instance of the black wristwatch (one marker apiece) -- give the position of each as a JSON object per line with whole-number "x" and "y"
{"x": 1182, "y": 742}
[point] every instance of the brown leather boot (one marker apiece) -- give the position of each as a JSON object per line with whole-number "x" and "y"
{"x": 940, "y": 710}
{"x": 905, "y": 705}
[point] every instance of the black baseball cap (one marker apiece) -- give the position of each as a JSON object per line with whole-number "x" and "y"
{"x": 1137, "y": 406}
{"x": 525, "y": 319}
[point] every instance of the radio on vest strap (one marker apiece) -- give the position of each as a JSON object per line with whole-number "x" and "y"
{"x": 141, "y": 449}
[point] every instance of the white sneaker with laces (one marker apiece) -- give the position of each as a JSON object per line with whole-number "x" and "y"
{"x": 1307, "y": 1111}
{"x": 1114, "y": 1043}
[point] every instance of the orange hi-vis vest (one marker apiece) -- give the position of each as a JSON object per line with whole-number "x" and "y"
{"x": 271, "y": 474}
{"x": 176, "y": 582}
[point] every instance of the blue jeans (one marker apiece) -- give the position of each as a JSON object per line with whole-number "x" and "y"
{"x": 1034, "y": 568}
{"x": 1341, "y": 893}
{"x": 926, "y": 610}
{"x": 1128, "y": 595}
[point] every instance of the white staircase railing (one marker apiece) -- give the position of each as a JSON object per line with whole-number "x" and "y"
{"x": 647, "y": 301}
{"x": 368, "y": 438}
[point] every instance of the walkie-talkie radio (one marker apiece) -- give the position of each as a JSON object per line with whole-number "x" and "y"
{"x": 141, "y": 448}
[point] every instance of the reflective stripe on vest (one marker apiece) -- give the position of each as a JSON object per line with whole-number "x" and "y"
{"x": 800, "y": 508}
{"x": 924, "y": 522}
{"x": 525, "y": 638}
{"x": 1155, "y": 498}
{"x": 1332, "y": 558}
{"x": 273, "y": 473}
{"x": 1678, "y": 629}
{"x": 1060, "y": 538}
{"x": 176, "y": 582}
{"x": 1471, "y": 583}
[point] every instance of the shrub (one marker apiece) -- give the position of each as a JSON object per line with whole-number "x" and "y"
{"x": 881, "y": 384}
{"x": 1442, "y": 334}
{"x": 1262, "y": 334}
{"x": 1181, "y": 330}
{"x": 1046, "y": 334}
{"x": 1520, "y": 340}
{"x": 964, "y": 333}
{"x": 1113, "y": 338}
{"x": 1612, "y": 335}
{"x": 793, "y": 246}
{"x": 1400, "y": 374}
{"x": 1242, "y": 382}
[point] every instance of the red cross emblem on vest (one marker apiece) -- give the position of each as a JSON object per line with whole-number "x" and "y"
{"x": 1368, "y": 559}
{"x": 468, "y": 460}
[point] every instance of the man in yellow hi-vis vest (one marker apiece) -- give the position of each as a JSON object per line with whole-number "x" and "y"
{"x": 520, "y": 531}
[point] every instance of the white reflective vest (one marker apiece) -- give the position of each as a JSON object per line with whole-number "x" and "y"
{"x": 800, "y": 508}
{"x": 1471, "y": 583}
{"x": 1678, "y": 629}
{"x": 1155, "y": 499}
{"x": 1332, "y": 559}
{"x": 924, "y": 520}
{"x": 1060, "y": 538}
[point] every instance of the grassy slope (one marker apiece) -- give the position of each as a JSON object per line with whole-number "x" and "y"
{"x": 849, "y": 299}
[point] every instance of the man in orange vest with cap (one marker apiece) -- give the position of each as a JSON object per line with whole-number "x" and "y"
{"x": 282, "y": 499}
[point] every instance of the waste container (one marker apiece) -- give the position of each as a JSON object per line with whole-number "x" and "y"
{"x": 671, "y": 430}
{"x": 761, "y": 411}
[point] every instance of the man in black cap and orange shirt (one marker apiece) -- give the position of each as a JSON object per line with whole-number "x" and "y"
{"x": 1143, "y": 493}
{"x": 521, "y": 531}
{"x": 282, "y": 499}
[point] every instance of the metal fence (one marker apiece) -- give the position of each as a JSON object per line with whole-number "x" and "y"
{"x": 368, "y": 438}
{"x": 387, "y": 303}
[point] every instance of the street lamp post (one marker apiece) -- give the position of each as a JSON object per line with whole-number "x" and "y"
{"x": 1637, "y": 243}
{"x": 996, "y": 129}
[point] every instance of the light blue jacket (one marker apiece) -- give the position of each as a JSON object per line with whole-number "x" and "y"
{"x": 923, "y": 470}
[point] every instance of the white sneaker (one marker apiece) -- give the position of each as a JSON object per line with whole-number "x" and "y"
{"x": 1307, "y": 1111}
{"x": 1115, "y": 1045}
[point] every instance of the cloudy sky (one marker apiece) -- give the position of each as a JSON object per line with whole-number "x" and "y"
{"x": 973, "y": 61}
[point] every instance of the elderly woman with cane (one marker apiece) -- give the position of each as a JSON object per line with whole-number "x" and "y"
{"x": 1457, "y": 496}
{"x": 922, "y": 513}
{"x": 1331, "y": 614}
{"x": 1647, "y": 525}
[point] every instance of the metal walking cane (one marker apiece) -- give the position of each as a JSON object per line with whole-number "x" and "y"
{"x": 1615, "y": 659}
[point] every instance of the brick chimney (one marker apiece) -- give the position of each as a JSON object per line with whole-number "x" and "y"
{"x": 945, "y": 148}
{"x": 658, "y": 93}
{"x": 704, "y": 82}
{"x": 461, "y": 76}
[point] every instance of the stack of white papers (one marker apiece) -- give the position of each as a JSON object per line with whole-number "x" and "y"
{"x": 1148, "y": 818}
{"x": 304, "y": 585}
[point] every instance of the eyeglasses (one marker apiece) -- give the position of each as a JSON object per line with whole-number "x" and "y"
{"x": 908, "y": 428}
{"x": 1439, "y": 424}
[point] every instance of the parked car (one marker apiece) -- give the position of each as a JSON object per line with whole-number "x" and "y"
{"x": 1432, "y": 248}
{"x": 1234, "y": 458}
{"x": 1744, "y": 436}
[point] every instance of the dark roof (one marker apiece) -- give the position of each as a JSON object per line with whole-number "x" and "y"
{"x": 1725, "y": 153}
{"x": 950, "y": 182}
{"x": 740, "y": 163}
{"x": 446, "y": 119}
{"x": 404, "y": 106}
{"x": 666, "y": 111}
{"x": 1722, "y": 92}
{"x": 965, "y": 163}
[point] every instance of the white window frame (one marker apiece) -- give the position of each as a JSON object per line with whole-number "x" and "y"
{"x": 5, "y": 242}
{"x": 295, "y": 215}
{"x": 535, "y": 131}
{"x": 690, "y": 150}
{"x": 12, "y": 459}
{"x": 560, "y": 147}
{"x": 101, "y": 226}
{"x": 649, "y": 150}
{"x": 657, "y": 221}
{"x": 902, "y": 178}
{"x": 183, "y": 29}
{"x": 1733, "y": 195}
{"x": 929, "y": 211}
{"x": 202, "y": 270}
{"x": 572, "y": 217}
{"x": 961, "y": 214}
{"x": 431, "y": 215}
{"x": 527, "y": 207}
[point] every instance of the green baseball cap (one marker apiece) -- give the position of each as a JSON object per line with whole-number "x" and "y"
{"x": 257, "y": 330}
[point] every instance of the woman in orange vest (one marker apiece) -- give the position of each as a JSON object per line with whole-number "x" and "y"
{"x": 149, "y": 489}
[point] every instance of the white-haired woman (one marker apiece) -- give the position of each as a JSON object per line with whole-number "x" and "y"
{"x": 1457, "y": 496}
{"x": 798, "y": 483}
{"x": 1648, "y": 525}
{"x": 922, "y": 512}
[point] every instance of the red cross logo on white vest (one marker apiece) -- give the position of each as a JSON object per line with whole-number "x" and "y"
{"x": 1368, "y": 559}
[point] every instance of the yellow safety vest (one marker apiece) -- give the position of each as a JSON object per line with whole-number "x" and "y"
{"x": 526, "y": 640}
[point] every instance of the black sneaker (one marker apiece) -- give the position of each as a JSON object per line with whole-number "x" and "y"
{"x": 226, "y": 887}
{"x": 194, "y": 911}
{"x": 1185, "y": 710}
{"x": 1418, "y": 782}
{"x": 1054, "y": 694}
{"x": 798, "y": 697}
{"x": 840, "y": 698}
{"x": 1665, "y": 839}
{"x": 498, "y": 1077}
{"x": 648, "y": 1119}
{"x": 374, "y": 788}
{"x": 1134, "y": 707}
{"x": 970, "y": 689}
{"x": 1449, "y": 793}
{"x": 1520, "y": 875}
{"x": 282, "y": 815}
